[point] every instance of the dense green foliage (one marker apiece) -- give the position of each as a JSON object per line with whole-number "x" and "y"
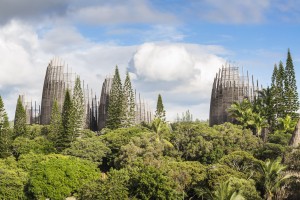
{"x": 12, "y": 180}
{"x": 248, "y": 159}
{"x": 64, "y": 175}
{"x": 187, "y": 160}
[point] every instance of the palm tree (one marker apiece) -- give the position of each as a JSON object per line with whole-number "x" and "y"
{"x": 225, "y": 192}
{"x": 265, "y": 104}
{"x": 159, "y": 127}
{"x": 242, "y": 112}
{"x": 287, "y": 124}
{"x": 246, "y": 115}
{"x": 259, "y": 122}
{"x": 273, "y": 177}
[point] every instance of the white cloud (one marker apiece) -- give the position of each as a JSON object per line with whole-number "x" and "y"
{"x": 26, "y": 56}
{"x": 163, "y": 63}
{"x": 182, "y": 73}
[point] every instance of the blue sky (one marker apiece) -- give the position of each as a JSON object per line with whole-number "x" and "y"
{"x": 172, "y": 47}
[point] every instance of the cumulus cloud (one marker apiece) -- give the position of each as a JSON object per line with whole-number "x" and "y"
{"x": 163, "y": 63}
{"x": 182, "y": 73}
{"x": 25, "y": 56}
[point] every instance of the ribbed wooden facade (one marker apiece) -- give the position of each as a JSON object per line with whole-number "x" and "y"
{"x": 57, "y": 81}
{"x": 229, "y": 86}
{"x": 55, "y": 85}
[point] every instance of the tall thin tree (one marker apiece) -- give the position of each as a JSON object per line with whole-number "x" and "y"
{"x": 5, "y": 133}
{"x": 55, "y": 127}
{"x": 67, "y": 134}
{"x": 115, "y": 107}
{"x": 290, "y": 88}
{"x": 279, "y": 98}
{"x": 20, "y": 119}
{"x": 78, "y": 106}
{"x": 128, "y": 116}
{"x": 160, "y": 110}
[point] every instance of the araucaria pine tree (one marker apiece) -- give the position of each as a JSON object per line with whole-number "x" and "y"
{"x": 5, "y": 133}
{"x": 55, "y": 127}
{"x": 128, "y": 116}
{"x": 115, "y": 107}
{"x": 67, "y": 135}
{"x": 78, "y": 105}
{"x": 160, "y": 111}
{"x": 290, "y": 88}
{"x": 20, "y": 119}
{"x": 278, "y": 91}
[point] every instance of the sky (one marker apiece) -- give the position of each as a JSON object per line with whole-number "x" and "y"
{"x": 169, "y": 47}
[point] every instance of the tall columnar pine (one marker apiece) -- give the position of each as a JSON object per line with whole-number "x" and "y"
{"x": 278, "y": 91}
{"x": 55, "y": 127}
{"x": 5, "y": 134}
{"x": 274, "y": 95}
{"x": 78, "y": 105}
{"x": 67, "y": 134}
{"x": 128, "y": 116}
{"x": 280, "y": 84}
{"x": 20, "y": 119}
{"x": 290, "y": 88}
{"x": 115, "y": 109}
{"x": 160, "y": 111}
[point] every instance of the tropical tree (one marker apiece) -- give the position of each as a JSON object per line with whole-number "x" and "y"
{"x": 286, "y": 125}
{"x": 112, "y": 186}
{"x": 93, "y": 149}
{"x": 5, "y": 133}
{"x": 67, "y": 135}
{"x": 115, "y": 106}
{"x": 78, "y": 106}
{"x": 225, "y": 192}
{"x": 259, "y": 122}
{"x": 264, "y": 105}
{"x": 58, "y": 176}
{"x": 55, "y": 127}
{"x": 273, "y": 177}
{"x": 128, "y": 116}
{"x": 160, "y": 111}
{"x": 13, "y": 180}
{"x": 290, "y": 88}
{"x": 20, "y": 119}
{"x": 278, "y": 95}
{"x": 242, "y": 113}
{"x": 148, "y": 182}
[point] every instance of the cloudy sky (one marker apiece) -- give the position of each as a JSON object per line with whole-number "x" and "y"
{"x": 171, "y": 47}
